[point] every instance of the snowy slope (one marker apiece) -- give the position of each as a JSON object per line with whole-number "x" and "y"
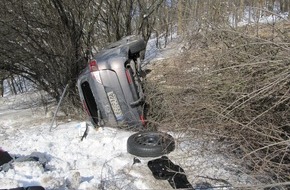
{"x": 100, "y": 161}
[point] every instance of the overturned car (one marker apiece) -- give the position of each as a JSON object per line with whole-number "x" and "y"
{"x": 110, "y": 86}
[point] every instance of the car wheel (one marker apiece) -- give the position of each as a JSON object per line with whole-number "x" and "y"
{"x": 137, "y": 46}
{"x": 150, "y": 144}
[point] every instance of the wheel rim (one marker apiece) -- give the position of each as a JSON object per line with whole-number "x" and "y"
{"x": 150, "y": 140}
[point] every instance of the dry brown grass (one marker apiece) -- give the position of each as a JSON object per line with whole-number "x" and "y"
{"x": 232, "y": 85}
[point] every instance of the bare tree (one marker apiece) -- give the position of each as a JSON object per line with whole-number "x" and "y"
{"x": 44, "y": 41}
{"x": 115, "y": 19}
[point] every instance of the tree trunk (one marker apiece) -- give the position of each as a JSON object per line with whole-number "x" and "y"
{"x": 12, "y": 85}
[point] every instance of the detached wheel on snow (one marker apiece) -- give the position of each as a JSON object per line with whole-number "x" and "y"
{"x": 150, "y": 144}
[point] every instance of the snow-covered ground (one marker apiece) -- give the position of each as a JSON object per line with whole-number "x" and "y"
{"x": 100, "y": 161}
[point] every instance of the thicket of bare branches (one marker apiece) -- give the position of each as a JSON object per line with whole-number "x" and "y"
{"x": 233, "y": 85}
{"x": 248, "y": 93}
{"x": 41, "y": 41}
{"x": 47, "y": 41}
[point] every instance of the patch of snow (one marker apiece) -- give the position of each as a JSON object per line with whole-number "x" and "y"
{"x": 19, "y": 81}
{"x": 255, "y": 15}
{"x": 158, "y": 49}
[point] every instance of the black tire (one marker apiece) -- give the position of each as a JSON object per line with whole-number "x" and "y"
{"x": 137, "y": 46}
{"x": 35, "y": 188}
{"x": 133, "y": 43}
{"x": 150, "y": 144}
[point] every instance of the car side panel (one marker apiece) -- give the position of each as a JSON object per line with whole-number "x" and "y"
{"x": 100, "y": 96}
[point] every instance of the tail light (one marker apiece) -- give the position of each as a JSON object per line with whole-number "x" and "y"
{"x": 128, "y": 76}
{"x": 93, "y": 65}
{"x": 142, "y": 119}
